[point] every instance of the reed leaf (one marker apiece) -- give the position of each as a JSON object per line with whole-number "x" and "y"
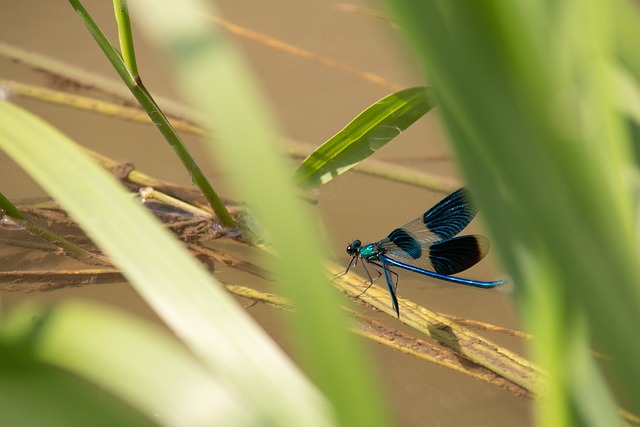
{"x": 527, "y": 95}
{"x": 366, "y": 134}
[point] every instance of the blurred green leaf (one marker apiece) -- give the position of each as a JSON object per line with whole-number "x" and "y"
{"x": 135, "y": 361}
{"x": 548, "y": 156}
{"x": 625, "y": 14}
{"x": 367, "y": 133}
{"x": 214, "y": 78}
{"x": 33, "y": 393}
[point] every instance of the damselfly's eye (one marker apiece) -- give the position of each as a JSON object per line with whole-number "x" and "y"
{"x": 354, "y": 247}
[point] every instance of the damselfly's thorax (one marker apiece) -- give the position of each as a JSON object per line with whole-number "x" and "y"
{"x": 370, "y": 252}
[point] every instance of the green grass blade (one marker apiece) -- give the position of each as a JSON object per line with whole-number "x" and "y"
{"x": 125, "y": 36}
{"x": 174, "y": 284}
{"x": 135, "y": 361}
{"x": 366, "y": 134}
{"x": 9, "y": 209}
{"x": 217, "y": 82}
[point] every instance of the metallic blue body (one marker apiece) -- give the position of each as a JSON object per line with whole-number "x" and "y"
{"x": 427, "y": 245}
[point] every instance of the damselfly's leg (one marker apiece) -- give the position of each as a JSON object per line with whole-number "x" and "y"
{"x": 352, "y": 263}
{"x": 376, "y": 267}
{"x": 379, "y": 270}
{"x": 371, "y": 280}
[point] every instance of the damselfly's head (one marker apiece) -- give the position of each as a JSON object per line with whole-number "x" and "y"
{"x": 354, "y": 248}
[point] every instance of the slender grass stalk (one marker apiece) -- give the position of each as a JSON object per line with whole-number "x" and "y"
{"x": 37, "y": 230}
{"x": 87, "y": 81}
{"x": 398, "y": 340}
{"x": 126, "y": 37}
{"x": 372, "y": 167}
{"x": 48, "y": 280}
{"x": 149, "y": 193}
{"x": 156, "y": 115}
{"x": 10, "y": 209}
{"x": 323, "y": 61}
{"x": 467, "y": 343}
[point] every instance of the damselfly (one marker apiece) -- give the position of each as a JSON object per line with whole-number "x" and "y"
{"x": 427, "y": 245}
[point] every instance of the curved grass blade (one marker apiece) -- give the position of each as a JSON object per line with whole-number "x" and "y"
{"x": 584, "y": 191}
{"x": 125, "y": 36}
{"x": 113, "y": 350}
{"x": 368, "y": 132}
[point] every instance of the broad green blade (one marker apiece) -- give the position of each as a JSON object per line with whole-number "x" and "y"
{"x": 217, "y": 82}
{"x": 527, "y": 94}
{"x": 36, "y": 394}
{"x": 135, "y": 361}
{"x": 197, "y": 308}
{"x": 367, "y": 133}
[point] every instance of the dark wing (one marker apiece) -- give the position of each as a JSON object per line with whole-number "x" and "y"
{"x": 455, "y": 255}
{"x": 443, "y": 221}
{"x": 449, "y": 216}
{"x": 446, "y": 257}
